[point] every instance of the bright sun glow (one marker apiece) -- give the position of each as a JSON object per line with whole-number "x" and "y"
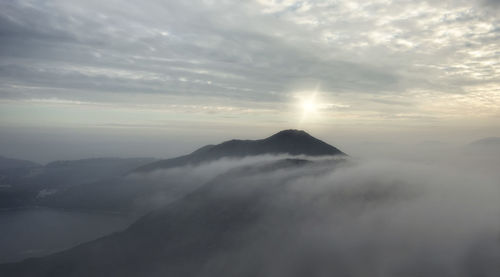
{"x": 308, "y": 106}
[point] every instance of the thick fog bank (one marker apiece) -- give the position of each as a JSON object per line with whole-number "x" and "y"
{"x": 167, "y": 185}
{"x": 374, "y": 217}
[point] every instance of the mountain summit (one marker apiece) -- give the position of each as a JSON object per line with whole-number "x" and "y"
{"x": 292, "y": 142}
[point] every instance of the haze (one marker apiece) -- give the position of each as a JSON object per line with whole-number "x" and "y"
{"x": 249, "y": 138}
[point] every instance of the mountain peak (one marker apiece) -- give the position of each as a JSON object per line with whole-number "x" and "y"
{"x": 290, "y": 133}
{"x": 291, "y": 142}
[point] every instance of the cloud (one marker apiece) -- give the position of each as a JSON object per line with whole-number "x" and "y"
{"x": 198, "y": 49}
{"x": 492, "y": 2}
{"x": 420, "y": 65}
{"x": 286, "y": 216}
{"x": 378, "y": 217}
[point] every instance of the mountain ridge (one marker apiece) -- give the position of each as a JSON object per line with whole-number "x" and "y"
{"x": 12, "y": 163}
{"x": 290, "y": 141}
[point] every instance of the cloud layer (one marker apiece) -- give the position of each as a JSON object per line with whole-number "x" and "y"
{"x": 378, "y": 218}
{"x": 265, "y": 216}
{"x": 383, "y": 58}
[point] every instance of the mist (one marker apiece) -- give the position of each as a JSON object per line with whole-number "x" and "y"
{"x": 431, "y": 210}
{"x": 168, "y": 138}
{"x": 374, "y": 217}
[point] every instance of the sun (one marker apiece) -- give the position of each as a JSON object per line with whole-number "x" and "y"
{"x": 309, "y": 107}
{"x": 309, "y": 104}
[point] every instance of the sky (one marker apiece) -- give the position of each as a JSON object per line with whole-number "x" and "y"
{"x": 160, "y": 78}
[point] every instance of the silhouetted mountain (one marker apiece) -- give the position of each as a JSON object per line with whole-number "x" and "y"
{"x": 292, "y": 142}
{"x": 9, "y": 163}
{"x": 125, "y": 194}
{"x": 101, "y": 184}
{"x": 177, "y": 239}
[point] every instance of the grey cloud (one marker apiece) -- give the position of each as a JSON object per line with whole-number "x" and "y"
{"x": 81, "y": 35}
{"x": 492, "y": 2}
{"x": 227, "y": 51}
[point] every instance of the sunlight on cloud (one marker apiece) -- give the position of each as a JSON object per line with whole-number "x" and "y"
{"x": 378, "y": 61}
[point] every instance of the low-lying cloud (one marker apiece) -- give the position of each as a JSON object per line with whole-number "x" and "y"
{"x": 358, "y": 218}
{"x": 302, "y": 216}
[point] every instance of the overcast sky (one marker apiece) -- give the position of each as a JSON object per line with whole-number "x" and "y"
{"x": 161, "y": 77}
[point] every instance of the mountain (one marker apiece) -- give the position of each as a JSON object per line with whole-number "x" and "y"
{"x": 292, "y": 142}
{"x": 30, "y": 185}
{"x": 9, "y": 163}
{"x": 75, "y": 172}
{"x": 212, "y": 219}
{"x": 12, "y": 179}
{"x": 104, "y": 184}
{"x": 193, "y": 235}
{"x": 140, "y": 193}
{"x": 288, "y": 217}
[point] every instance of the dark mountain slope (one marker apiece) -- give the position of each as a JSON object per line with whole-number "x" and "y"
{"x": 292, "y": 142}
{"x": 9, "y": 163}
